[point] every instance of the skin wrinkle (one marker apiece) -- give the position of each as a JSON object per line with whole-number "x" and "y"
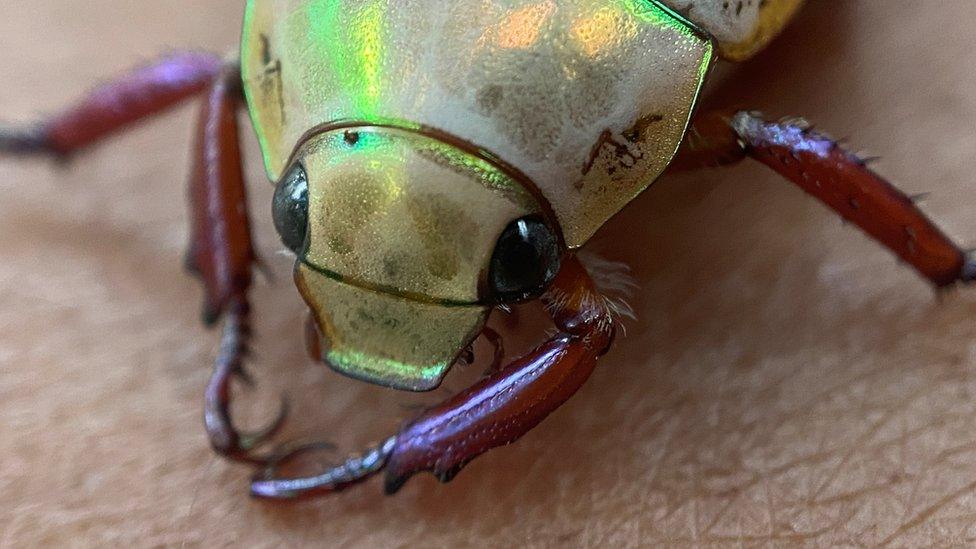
{"x": 878, "y": 425}
{"x": 785, "y": 379}
{"x": 788, "y": 466}
{"x": 827, "y": 455}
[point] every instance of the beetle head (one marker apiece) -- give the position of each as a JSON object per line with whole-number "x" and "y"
{"x": 405, "y": 240}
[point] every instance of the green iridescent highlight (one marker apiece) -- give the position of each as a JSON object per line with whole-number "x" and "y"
{"x": 375, "y": 369}
{"x": 665, "y": 16}
{"x": 247, "y": 38}
{"x": 353, "y": 45}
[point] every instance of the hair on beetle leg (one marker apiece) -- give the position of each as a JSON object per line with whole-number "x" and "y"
{"x": 612, "y": 277}
{"x": 616, "y": 285}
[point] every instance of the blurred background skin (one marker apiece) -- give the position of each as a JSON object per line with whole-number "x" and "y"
{"x": 786, "y": 381}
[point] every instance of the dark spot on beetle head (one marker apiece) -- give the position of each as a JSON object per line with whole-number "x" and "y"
{"x": 490, "y": 97}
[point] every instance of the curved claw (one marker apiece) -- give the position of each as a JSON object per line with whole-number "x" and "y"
{"x": 467, "y": 356}
{"x": 498, "y": 357}
{"x": 224, "y": 437}
{"x": 353, "y": 471}
{"x": 253, "y": 439}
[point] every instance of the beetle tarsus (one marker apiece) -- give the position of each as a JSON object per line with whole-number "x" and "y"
{"x": 224, "y": 437}
{"x": 498, "y": 345}
{"x": 22, "y": 142}
{"x": 354, "y": 470}
{"x": 969, "y": 268}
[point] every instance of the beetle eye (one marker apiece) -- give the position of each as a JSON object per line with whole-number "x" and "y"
{"x": 525, "y": 261}
{"x": 291, "y": 208}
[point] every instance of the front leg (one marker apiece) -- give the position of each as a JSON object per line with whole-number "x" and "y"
{"x": 221, "y": 250}
{"x": 838, "y": 178}
{"x": 222, "y": 255}
{"x": 495, "y": 411}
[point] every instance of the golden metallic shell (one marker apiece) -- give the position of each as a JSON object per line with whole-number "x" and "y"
{"x": 589, "y": 98}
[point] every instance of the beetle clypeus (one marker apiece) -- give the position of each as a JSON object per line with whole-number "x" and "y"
{"x": 435, "y": 161}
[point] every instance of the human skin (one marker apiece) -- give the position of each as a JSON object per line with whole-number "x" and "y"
{"x": 786, "y": 380}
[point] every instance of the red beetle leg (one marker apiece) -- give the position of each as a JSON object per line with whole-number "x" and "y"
{"x": 117, "y": 105}
{"x": 498, "y": 355}
{"x": 496, "y": 411}
{"x": 222, "y": 255}
{"x": 838, "y": 178}
{"x": 506, "y": 405}
{"x": 221, "y": 251}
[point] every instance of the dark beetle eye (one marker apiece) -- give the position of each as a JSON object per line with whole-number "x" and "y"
{"x": 525, "y": 261}
{"x": 291, "y": 208}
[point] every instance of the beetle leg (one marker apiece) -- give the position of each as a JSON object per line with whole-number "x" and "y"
{"x": 224, "y": 438}
{"x": 838, "y": 178}
{"x": 222, "y": 255}
{"x": 495, "y": 340}
{"x": 117, "y": 105}
{"x": 221, "y": 252}
{"x": 496, "y": 411}
{"x": 354, "y": 470}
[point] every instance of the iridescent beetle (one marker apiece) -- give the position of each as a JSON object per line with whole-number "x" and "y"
{"x": 436, "y": 160}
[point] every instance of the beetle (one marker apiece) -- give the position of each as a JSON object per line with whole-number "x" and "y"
{"x": 434, "y": 162}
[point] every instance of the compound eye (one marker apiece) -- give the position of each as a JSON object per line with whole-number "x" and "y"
{"x": 525, "y": 261}
{"x": 290, "y": 211}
